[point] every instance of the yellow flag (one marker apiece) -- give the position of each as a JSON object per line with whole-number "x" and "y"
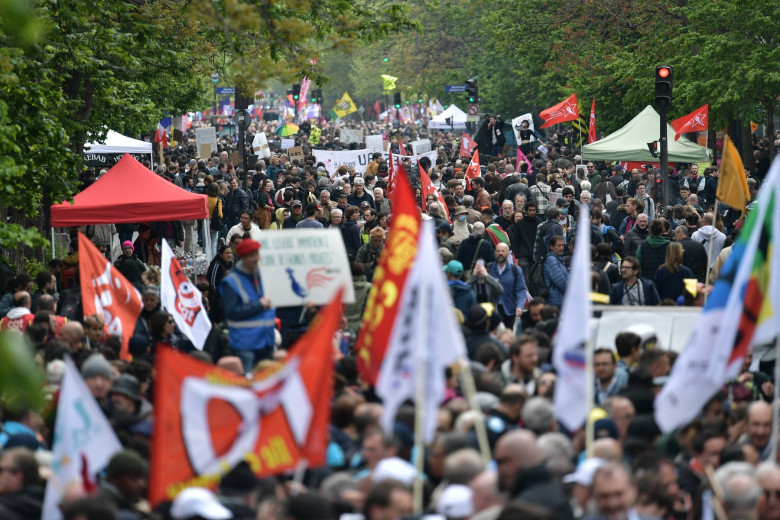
{"x": 344, "y": 106}
{"x": 388, "y": 82}
{"x": 732, "y": 184}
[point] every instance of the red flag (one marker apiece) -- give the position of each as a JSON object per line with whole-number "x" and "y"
{"x": 105, "y": 291}
{"x": 697, "y": 120}
{"x": 389, "y": 281}
{"x": 390, "y": 176}
{"x": 564, "y": 111}
{"x": 473, "y": 171}
{"x": 592, "y": 127}
{"x": 377, "y": 108}
{"x": 208, "y": 419}
{"x": 427, "y": 187}
{"x": 401, "y": 148}
{"x": 467, "y": 145}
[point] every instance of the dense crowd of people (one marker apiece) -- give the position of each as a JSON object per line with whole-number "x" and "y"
{"x": 505, "y": 244}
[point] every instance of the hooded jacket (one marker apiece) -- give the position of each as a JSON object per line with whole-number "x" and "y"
{"x": 462, "y": 296}
{"x": 651, "y": 254}
{"x": 278, "y": 219}
{"x": 707, "y": 234}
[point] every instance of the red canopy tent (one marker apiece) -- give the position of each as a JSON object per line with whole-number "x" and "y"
{"x": 130, "y": 193}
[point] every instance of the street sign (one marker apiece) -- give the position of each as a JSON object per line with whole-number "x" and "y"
{"x": 226, "y": 90}
{"x": 472, "y": 110}
{"x": 455, "y": 88}
{"x": 472, "y": 118}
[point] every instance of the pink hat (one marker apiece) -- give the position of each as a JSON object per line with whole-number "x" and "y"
{"x": 127, "y": 244}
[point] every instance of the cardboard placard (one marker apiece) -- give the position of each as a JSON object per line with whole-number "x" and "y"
{"x": 235, "y": 158}
{"x": 206, "y": 139}
{"x": 296, "y": 153}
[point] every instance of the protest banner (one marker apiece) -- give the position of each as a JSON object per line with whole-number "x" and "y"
{"x": 374, "y": 142}
{"x": 304, "y": 265}
{"x": 360, "y": 158}
{"x": 421, "y": 146}
{"x": 517, "y": 125}
{"x": 287, "y": 144}
{"x": 351, "y": 135}
{"x": 206, "y": 139}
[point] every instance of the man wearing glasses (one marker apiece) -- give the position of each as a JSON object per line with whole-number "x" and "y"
{"x": 633, "y": 290}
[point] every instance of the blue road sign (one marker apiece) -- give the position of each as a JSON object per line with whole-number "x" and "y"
{"x": 455, "y": 88}
{"x": 228, "y": 90}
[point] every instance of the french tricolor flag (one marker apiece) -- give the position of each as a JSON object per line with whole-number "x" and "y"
{"x": 161, "y": 135}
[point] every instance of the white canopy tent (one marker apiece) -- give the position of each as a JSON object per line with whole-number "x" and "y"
{"x": 458, "y": 119}
{"x": 114, "y": 147}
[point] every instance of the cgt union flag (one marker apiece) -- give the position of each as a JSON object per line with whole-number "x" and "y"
{"x": 473, "y": 171}
{"x": 181, "y": 298}
{"x": 383, "y": 305}
{"x": 467, "y": 145}
{"x": 106, "y": 292}
{"x": 566, "y": 110}
{"x": 427, "y": 187}
{"x": 208, "y": 419}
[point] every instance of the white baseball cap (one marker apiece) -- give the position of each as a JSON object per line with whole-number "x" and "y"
{"x": 456, "y": 501}
{"x": 584, "y": 472}
{"x": 200, "y": 502}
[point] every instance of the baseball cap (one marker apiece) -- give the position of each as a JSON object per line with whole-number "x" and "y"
{"x": 456, "y": 501}
{"x": 198, "y": 502}
{"x": 297, "y": 202}
{"x": 365, "y": 204}
{"x": 247, "y": 246}
{"x": 454, "y": 268}
{"x": 583, "y": 475}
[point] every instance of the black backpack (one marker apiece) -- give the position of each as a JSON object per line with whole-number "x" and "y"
{"x": 535, "y": 282}
{"x": 549, "y": 230}
{"x": 216, "y": 221}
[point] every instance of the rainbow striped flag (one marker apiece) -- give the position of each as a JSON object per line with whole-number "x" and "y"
{"x": 743, "y": 309}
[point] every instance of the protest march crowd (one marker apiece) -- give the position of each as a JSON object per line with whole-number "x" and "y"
{"x": 504, "y": 224}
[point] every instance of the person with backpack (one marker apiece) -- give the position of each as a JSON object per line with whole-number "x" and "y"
{"x": 554, "y": 271}
{"x": 215, "y": 214}
{"x": 512, "y": 301}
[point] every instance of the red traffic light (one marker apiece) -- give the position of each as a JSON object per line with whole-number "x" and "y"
{"x": 664, "y": 72}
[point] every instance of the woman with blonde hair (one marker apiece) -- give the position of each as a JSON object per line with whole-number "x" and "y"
{"x": 670, "y": 277}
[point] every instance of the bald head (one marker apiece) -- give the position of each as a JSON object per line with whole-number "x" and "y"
{"x": 608, "y": 449}
{"x": 514, "y": 451}
{"x": 759, "y": 424}
{"x": 485, "y": 489}
{"x": 72, "y": 333}
{"x": 22, "y": 299}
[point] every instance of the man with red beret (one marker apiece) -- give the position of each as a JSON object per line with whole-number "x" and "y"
{"x": 249, "y": 315}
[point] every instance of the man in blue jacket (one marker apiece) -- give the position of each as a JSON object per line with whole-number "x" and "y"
{"x": 249, "y": 315}
{"x": 512, "y": 300}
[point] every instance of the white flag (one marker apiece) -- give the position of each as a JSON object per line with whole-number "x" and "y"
{"x": 182, "y": 299}
{"x": 517, "y": 125}
{"x": 742, "y": 310}
{"x": 425, "y": 334}
{"x": 83, "y": 441}
{"x": 569, "y": 343}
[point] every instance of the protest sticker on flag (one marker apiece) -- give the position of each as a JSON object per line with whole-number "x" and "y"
{"x": 84, "y": 442}
{"x": 182, "y": 299}
{"x": 208, "y": 419}
{"x": 106, "y": 292}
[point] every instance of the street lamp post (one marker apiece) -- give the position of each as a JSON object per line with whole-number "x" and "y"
{"x": 241, "y": 118}
{"x": 215, "y": 80}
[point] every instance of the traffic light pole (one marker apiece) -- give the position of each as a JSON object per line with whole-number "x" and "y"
{"x": 664, "y": 159}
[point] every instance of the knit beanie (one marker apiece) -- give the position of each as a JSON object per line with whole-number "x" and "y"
{"x": 126, "y": 463}
{"x": 96, "y": 365}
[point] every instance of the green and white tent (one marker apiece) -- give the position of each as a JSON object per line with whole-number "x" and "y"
{"x": 630, "y": 143}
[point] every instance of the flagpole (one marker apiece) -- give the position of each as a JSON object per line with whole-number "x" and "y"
{"x": 590, "y": 394}
{"x": 709, "y": 253}
{"x": 775, "y": 409}
{"x": 300, "y": 471}
{"x": 470, "y": 388}
{"x": 419, "y": 427}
